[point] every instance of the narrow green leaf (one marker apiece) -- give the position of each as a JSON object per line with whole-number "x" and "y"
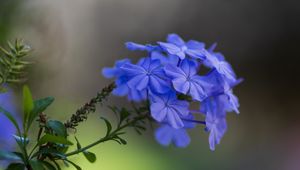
{"x": 123, "y": 114}
{"x": 39, "y": 106}
{"x": 108, "y": 125}
{"x": 91, "y": 157}
{"x": 58, "y": 127}
{"x": 77, "y": 143}
{"x": 76, "y": 166}
{"x": 55, "y": 163}
{"x": 15, "y": 166}
{"x": 11, "y": 118}
{"x": 28, "y": 104}
{"x": 6, "y": 155}
{"x": 54, "y": 139}
{"x": 51, "y": 151}
{"x": 124, "y": 142}
{"x": 36, "y": 165}
{"x": 21, "y": 140}
{"x": 48, "y": 165}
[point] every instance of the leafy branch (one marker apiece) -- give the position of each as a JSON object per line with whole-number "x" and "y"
{"x": 12, "y": 63}
{"x": 137, "y": 122}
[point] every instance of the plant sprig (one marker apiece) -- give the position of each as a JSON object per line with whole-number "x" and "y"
{"x": 13, "y": 64}
{"x": 52, "y": 144}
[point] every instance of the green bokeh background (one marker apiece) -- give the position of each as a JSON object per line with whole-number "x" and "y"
{"x": 72, "y": 41}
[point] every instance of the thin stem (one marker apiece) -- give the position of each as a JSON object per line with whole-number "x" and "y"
{"x": 195, "y": 121}
{"x": 108, "y": 137}
{"x": 38, "y": 138}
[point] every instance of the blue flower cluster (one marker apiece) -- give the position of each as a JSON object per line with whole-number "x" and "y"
{"x": 178, "y": 68}
{"x": 7, "y": 129}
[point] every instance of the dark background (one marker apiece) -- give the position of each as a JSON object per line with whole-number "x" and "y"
{"x": 260, "y": 38}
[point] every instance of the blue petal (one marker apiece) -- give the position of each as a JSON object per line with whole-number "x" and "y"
{"x": 134, "y": 46}
{"x": 143, "y": 83}
{"x": 174, "y": 72}
{"x": 234, "y": 102}
{"x": 158, "y": 111}
{"x": 225, "y": 69}
{"x": 212, "y": 140}
{"x": 195, "y": 45}
{"x": 135, "y": 81}
{"x": 181, "y": 138}
{"x": 181, "y": 85}
{"x": 108, "y": 72}
{"x": 121, "y": 90}
{"x": 188, "y": 67}
{"x": 188, "y": 124}
{"x": 174, "y": 119}
{"x": 137, "y": 96}
{"x": 132, "y": 69}
{"x": 7, "y": 129}
{"x": 154, "y": 65}
{"x": 180, "y": 106}
{"x": 155, "y": 55}
{"x": 163, "y": 135}
{"x": 171, "y": 49}
{"x": 175, "y": 39}
{"x": 212, "y": 47}
{"x": 158, "y": 85}
{"x": 199, "y": 88}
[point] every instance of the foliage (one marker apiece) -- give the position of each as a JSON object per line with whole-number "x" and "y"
{"x": 164, "y": 83}
{"x": 12, "y": 63}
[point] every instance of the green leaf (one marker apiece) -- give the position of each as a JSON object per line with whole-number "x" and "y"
{"x": 108, "y": 125}
{"x": 28, "y": 104}
{"x": 76, "y": 166}
{"x": 21, "y": 140}
{"x": 124, "y": 142}
{"x": 55, "y": 163}
{"x": 15, "y": 166}
{"x": 53, "y": 152}
{"x": 39, "y": 106}
{"x": 6, "y": 155}
{"x": 91, "y": 157}
{"x": 36, "y": 165}
{"x": 48, "y": 165}
{"x": 123, "y": 114}
{"x": 54, "y": 139}
{"x": 58, "y": 127}
{"x": 11, "y": 118}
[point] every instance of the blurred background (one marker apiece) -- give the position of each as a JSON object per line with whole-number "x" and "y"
{"x": 74, "y": 40}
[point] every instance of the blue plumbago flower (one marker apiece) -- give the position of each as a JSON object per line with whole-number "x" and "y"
{"x": 164, "y": 60}
{"x": 122, "y": 88}
{"x": 111, "y": 72}
{"x": 176, "y": 46}
{"x": 169, "y": 78}
{"x": 166, "y": 134}
{"x": 147, "y": 74}
{"x": 7, "y": 129}
{"x": 168, "y": 107}
{"x": 223, "y": 86}
{"x": 217, "y": 61}
{"x": 186, "y": 80}
{"x": 215, "y": 110}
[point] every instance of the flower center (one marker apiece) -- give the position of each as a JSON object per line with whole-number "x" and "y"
{"x": 183, "y": 48}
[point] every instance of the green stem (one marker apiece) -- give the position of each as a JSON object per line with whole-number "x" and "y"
{"x": 109, "y": 136}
